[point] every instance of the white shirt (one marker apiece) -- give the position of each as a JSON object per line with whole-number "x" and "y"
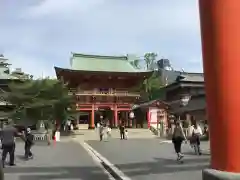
{"x": 68, "y": 123}
{"x": 197, "y": 131}
{"x": 98, "y": 125}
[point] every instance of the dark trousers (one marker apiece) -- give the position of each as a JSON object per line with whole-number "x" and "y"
{"x": 122, "y": 135}
{"x": 28, "y": 152}
{"x": 196, "y": 143}
{"x": 101, "y": 137}
{"x": 177, "y": 142}
{"x": 9, "y": 148}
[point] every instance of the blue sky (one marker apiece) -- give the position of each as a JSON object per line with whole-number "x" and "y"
{"x": 38, "y": 34}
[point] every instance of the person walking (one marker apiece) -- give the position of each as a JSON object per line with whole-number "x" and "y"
{"x": 68, "y": 124}
{"x": 29, "y": 138}
{"x": 122, "y": 131}
{"x": 49, "y": 129}
{"x": 109, "y": 130}
{"x": 196, "y": 134}
{"x": 101, "y": 132}
{"x": 177, "y": 139}
{"x": 8, "y": 135}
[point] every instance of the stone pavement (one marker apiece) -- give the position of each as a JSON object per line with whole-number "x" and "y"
{"x": 142, "y": 159}
{"x": 64, "y": 161}
{"x": 135, "y": 134}
{"x": 115, "y": 134}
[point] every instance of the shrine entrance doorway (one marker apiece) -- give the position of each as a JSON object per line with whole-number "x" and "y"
{"x": 106, "y": 114}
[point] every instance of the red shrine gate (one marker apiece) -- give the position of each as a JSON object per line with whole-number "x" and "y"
{"x": 112, "y": 105}
{"x": 104, "y": 86}
{"x": 220, "y": 29}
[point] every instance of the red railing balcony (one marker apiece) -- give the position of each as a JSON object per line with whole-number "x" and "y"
{"x": 105, "y": 93}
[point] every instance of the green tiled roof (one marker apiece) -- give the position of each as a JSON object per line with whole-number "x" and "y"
{"x": 85, "y": 62}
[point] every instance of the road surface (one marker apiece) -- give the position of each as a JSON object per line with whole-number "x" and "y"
{"x": 65, "y": 161}
{"x": 142, "y": 159}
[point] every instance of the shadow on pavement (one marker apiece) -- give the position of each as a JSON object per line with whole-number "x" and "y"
{"x": 48, "y": 173}
{"x": 192, "y": 153}
{"x": 20, "y": 157}
{"x": 161, "y": 166}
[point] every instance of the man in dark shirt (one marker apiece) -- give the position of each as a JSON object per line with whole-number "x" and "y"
{"x": 8, "y": 135}
{"x": 29, "y": 137}
{"x": 122, "y": 129}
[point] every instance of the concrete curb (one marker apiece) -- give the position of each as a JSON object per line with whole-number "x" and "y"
{"x": 113, "y": 170}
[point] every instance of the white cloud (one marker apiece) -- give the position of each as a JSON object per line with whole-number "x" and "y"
{"x": 43, "y": 34}
{"x": 63, "y": 7}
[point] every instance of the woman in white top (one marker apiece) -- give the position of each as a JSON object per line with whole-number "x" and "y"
{"x": 196, "y": 134}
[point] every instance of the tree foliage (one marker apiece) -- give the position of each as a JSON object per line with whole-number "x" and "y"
{"x": 40, "y": 99}
{"x": 150, "y": 60}
{"x": 153, "y": 83}
{"x": 151, "y": 87}
{"x": 135, "y": 63}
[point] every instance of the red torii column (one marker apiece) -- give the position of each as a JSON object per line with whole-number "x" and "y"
{"x": 220, "y": 29}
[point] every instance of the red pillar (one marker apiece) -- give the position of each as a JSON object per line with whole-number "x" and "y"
{"x": 92, "y": 124}
{"x": 220, "y": 29}
{"x": 116, "y": 116}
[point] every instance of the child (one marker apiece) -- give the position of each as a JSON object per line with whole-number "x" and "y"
{"x": 126, "y": 134}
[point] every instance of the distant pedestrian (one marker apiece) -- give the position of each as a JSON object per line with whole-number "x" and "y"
{"x": 105, "y": 130}
{"x": 8, "y": 135}
{"x": 206, "y": 132}
{"x": 29, "y": 138}
{"x": 196, "y": 134}
{"x": 122, "y": 131}
{"x": 126, "y": 134}
{"x": 109, "y": 130}
{"x": 190, "y": 136}
{"x": 68, "y": 125}
{"x": 101, "y": 132}
{"x": 177, "y": 139}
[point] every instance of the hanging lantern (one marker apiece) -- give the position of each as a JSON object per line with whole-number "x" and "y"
{"x": 131, "y": 115}
{"x": 184, "y": 99}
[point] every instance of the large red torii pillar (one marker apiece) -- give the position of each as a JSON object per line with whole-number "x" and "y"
{"x": 220, "y": 29}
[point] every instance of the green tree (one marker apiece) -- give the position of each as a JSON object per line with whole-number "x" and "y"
{"x": 151, "y": 87}
{"x": 136, "y": 63}
{"x": 42, "y": 99}
{"x": 150, "y": 60}
{"x": 153, "y": 83}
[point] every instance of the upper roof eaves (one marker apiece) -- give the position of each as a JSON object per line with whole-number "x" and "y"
{"x": 86, "y": 62}
{"x": 191, "y": 78}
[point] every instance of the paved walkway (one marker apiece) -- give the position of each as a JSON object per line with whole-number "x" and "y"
{"x": 142, "y": 159}
{"x": 65, "y": 161}
{"x": 115, "y": 134}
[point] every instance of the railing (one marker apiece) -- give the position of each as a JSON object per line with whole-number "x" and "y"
{"x": 105, "y": 93}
